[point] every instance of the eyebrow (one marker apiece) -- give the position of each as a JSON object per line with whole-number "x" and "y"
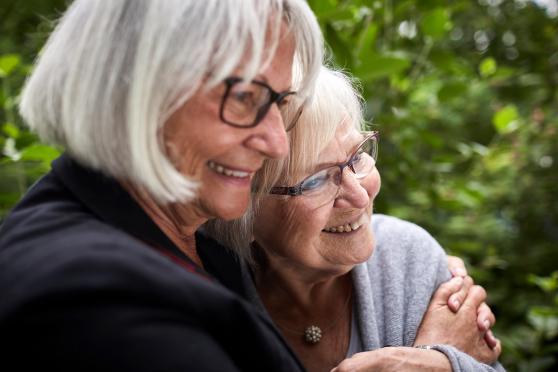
{"x": 263, "y": 79}
{"x": 321, "y": 166}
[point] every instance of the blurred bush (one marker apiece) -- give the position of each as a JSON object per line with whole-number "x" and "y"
{"x": 465, "y": 96}
{"x": 24, "y": 27}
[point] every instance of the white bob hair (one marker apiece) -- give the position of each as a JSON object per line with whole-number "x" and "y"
{"x": 335, "y": 101}
{"x": 112, "y": 72}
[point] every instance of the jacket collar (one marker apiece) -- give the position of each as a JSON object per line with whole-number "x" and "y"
{"x": 110, "y": 202}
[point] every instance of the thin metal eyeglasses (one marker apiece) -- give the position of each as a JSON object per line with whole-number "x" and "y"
{"x": 245, "y": 104}
{"x": 325, "y": 184}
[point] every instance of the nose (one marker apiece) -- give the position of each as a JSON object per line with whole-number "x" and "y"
{"x": 355, "y": 193}
{"x": 270, "y": 138}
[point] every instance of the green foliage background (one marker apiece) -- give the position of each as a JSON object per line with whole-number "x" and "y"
{"x": 465, "y": 95}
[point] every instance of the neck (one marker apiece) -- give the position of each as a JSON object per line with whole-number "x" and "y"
{"x": 173, "y": 220}
{"x": 297, "y": 298}
{"x": 311, "y": 293}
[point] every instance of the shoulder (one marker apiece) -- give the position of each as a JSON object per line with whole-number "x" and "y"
{"x": 389, "y": 227}
{"x": 403, "y": 237}
{"x": 52, "y": 247}
{"x": 405, "y": 249}
{"x": 75, "y": 286}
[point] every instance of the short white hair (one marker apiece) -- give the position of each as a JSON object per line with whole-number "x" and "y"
{"x": 112, "y": 72}
{"x": 335, "y": 101}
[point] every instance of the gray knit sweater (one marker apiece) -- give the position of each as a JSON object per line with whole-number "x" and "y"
{"x": 393, "y": 289}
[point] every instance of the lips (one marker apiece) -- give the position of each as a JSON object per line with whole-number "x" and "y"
{"x": 348, "y": 226}
{"x": 221, "y": 169}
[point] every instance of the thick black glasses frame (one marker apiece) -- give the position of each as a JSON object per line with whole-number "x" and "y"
{"x": 274, "y": 97}
{"x": 297, "y": 189}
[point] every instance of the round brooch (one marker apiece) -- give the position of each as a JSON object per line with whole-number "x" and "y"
{"x": 312, "y": 334}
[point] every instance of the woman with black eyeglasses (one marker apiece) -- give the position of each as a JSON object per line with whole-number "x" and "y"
{"x": 350, "y": 290}
{"x": 165, "y": 111}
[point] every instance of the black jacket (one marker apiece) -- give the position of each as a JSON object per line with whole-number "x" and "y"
{"x": 89, "y": 283}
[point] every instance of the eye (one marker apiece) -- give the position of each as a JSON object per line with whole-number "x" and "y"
{"x": 246, "y": 98}
{"x": 283, "y": 103}
{"x": 316, "y": 181}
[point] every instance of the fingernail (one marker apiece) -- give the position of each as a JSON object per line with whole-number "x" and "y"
{"x": 486, "y": 324}
{"x": 455, "y": 303}
{"x": 460, "y": 271}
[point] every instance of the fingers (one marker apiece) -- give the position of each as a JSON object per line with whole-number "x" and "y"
{"x": 457, "y": 298}
{"x": 485, "y": 317}
{"x": 492, "y": 341}
{"x": 475, "y": 297}
{"x": 363, "y": 361}
{"x": 492, "y": 349}
{"x": 457, "y": 266}
{"x": 485, "y": 320}
{"x": 445, "y": 290}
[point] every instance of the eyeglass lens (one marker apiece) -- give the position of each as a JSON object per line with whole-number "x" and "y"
{"x": 245, "y": 104}
{"x": 322, "y": 187}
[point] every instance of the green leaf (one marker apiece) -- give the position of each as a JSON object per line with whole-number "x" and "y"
{"x": 367, "y": 40}
{"x": 436, "y": 23}
{"x": 321, "y": 7}
{"x": 11, "y": 130}
{"x": 8, "y": 63}
{"x": 377, "y": 66}
{"x": 488, "y": 67}
{"x": 452, "y": 90}
{"x": 547, "y": 284}
{"x": 40, "y": 152}
{"x": 544, "y": 320}
{"x": 505, "y": 120}
{"x": 339, "y": 46}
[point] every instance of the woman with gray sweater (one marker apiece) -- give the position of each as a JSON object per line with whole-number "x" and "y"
{"x": 350, "y": 290}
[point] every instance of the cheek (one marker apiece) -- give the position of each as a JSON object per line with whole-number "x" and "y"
{"x": 287, "y": 226}
{"x": 184, "y": 143}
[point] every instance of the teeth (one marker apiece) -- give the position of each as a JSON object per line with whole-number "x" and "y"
{"x": 348, "y": 227}
{"x": 227, "y": 172}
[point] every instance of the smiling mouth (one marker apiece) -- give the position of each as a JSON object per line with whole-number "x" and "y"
{"x": 347, "y": 227}
{"x": 221, "y": 169}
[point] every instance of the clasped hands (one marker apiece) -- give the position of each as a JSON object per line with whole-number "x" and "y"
{"x": 457, "y": 315}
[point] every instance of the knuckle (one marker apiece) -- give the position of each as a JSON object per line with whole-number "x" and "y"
{"x": 448, "y": 287}
{"x": 478, "y": 291}
{"x": 344, "y": 366}
{"x": 455, "y": 261}
{"x": 482, "y": 291}
{"x": 491, "y": 317}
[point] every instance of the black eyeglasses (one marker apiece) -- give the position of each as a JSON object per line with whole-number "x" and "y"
{"x": 245, "y": 104}
{"x": 323, "y": 186}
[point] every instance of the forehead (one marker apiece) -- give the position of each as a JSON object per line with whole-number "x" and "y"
{"x": 346, "y": 138}
{"x": 277, "y": 69}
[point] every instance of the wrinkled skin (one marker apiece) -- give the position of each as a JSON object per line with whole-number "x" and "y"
{"x": 441, "y": 325}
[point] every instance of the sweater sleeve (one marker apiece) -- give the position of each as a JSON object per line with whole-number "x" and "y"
{"x": 462, "y": 362}
{"x": 408, "y": 266}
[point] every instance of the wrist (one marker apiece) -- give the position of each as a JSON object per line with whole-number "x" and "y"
{"x": 442, "y": 363}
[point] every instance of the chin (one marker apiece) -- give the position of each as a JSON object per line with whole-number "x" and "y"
{"x": 364, "y": 249}
{"x": 224, "y": 204}
{"x": 231, "y": 209}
